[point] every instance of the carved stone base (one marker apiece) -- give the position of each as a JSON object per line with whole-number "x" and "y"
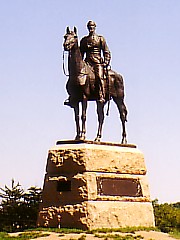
{"x": 91, "y": 186}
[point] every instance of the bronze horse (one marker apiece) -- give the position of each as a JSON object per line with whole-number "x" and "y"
{"x": 82, "y": 87}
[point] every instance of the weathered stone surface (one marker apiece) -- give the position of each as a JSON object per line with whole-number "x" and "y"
{"x": 49, "y": 217}
{"x": 83, "y": 157}
{"x": 99, "y": 214}
{"x": 115, "y": 214}
{"x": 84, "y": 187}
{"x": 93, "y": 186}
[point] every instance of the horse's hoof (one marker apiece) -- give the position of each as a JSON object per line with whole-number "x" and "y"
{"x": 77, "y": 137}
{"x": 124, "y": 141}
{"x": 97, "y": 139}
{"x": 82, "y": 137}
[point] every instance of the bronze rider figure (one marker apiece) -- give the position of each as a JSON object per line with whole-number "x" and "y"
{"x": 97, "y": 56}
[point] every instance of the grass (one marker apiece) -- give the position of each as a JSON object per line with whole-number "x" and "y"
{"x": 104, "y": 233}
{"x": 175, "y": 234}
{"x": 83, "y": 237}
{"x": 59, "y": 230}
{"x": 22, "y": 236}
{"x": 101, "y": 230}
{"x": 118, "y": 237}
{"x": 123, "y": 230}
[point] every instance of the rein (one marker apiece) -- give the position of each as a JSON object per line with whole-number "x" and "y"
{"x": 67, "y": 75}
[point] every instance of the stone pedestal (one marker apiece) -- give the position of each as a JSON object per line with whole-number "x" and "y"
{"x": 91, "y": 186}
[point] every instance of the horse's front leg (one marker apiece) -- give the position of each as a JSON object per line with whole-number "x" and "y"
{"x": 83, "y": 118}
{"x": 100, "y": 112}
{"x": 76, "y": 114}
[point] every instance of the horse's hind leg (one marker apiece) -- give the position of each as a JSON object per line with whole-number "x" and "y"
{"x": 123, "y": 116}
{"x": 100, "y": 112}
{"x": 76, "y": 114}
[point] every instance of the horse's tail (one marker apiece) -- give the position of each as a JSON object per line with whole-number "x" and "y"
{"x": 107, "y": 113}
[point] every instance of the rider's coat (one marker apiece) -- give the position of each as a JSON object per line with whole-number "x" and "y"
{"x": 92, "y": 45}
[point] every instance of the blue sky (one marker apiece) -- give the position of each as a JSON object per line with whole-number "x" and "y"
{"x": 143, "y": 37}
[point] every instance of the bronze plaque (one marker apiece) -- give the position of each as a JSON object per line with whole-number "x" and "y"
{"x": 123, "y": 187}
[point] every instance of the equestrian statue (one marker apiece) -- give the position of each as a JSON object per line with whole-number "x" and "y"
{"x": 91, "y": 79}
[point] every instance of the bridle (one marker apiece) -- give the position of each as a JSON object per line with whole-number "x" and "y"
{"x": 64, "y": 71}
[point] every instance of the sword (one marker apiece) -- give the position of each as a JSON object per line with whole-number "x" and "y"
{"x": 107, "y": 68}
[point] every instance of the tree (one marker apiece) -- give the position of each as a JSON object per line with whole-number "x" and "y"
{"x": 31, "y": 200}
{"x": 167, "y": 216}
{"x": 10, "y": 206}
{"x": 11, "y": 196}
{"x": 18, "y": 209}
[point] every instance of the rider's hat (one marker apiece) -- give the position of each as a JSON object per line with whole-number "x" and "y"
{"x": 90, "y": 23}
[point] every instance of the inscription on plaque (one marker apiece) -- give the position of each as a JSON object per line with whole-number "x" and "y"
{"x": 126, "y": 187}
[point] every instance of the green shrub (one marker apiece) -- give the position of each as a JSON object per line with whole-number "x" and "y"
{"x": 167, "y": 216}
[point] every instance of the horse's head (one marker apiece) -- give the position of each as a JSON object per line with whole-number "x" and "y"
{"x": 70, "y": 39}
